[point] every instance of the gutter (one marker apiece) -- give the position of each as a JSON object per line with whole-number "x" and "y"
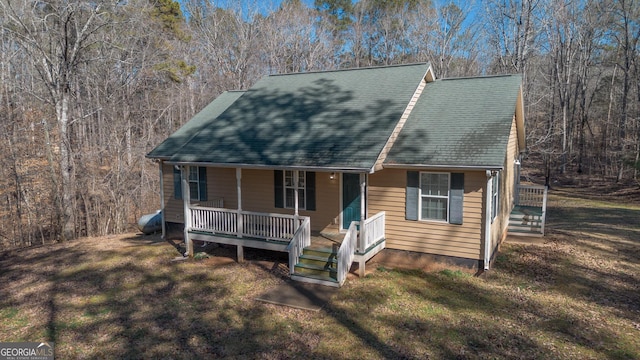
{"x": 273, "y": 167}
{"x": 444, "y": 167}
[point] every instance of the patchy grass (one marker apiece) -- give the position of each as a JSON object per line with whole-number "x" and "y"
{"x": 574, "y": 297}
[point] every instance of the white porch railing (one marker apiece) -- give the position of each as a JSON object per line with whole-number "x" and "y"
{"x": 372, "y": 231}
{"x": 268, "y": 226}
{"x": 535, "y": 196}
{"x": 301, "y": 239}
{"x": 347, "y": 251}
{"x": 531, "y": 195}
{"x": 213, "y": 203}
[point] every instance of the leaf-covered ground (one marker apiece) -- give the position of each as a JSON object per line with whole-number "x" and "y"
{"x": 574, "y": 295}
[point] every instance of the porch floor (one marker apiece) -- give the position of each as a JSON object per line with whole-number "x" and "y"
{"x": 328, "y": 237}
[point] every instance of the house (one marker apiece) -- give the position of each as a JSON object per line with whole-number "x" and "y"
{"x": 373, "y": 158}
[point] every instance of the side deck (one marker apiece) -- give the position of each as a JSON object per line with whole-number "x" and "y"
{"x": 529, "y": 212}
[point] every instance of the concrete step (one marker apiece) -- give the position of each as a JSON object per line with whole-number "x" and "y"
{"x": 315, "y": 279}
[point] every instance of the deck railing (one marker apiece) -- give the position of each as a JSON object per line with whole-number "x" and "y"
{"x": 301, "y": 239}
{"x": 372, "y": 231}
{"x": 268, "y": 226}
{"x": 347, "y": 251}
{"x": 533, "y": 195}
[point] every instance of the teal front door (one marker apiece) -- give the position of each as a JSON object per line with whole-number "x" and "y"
{"x": 350, "y": 199}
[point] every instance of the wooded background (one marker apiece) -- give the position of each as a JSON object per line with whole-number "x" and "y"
{"x": 87, "y": 88}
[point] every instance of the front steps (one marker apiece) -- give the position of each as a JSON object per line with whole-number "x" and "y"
{"x": 317, "y": 265}
{"x": 526, "y": 221}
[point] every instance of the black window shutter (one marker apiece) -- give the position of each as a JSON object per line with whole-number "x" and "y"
{"x": 202, "y": 183}
{"x": 311, "y": 190}
{"x": 177, "y": 183}
{"x": 413, "y": 183}
{"x": 456, "y": 198}
{"x": 278, "y": 186}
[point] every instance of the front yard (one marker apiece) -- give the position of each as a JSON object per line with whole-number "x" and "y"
{"x": 575, "y": 296}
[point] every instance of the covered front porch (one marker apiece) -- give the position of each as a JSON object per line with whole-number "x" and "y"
{"x": 322, "y": 254}
{"x": 313, "y": 256}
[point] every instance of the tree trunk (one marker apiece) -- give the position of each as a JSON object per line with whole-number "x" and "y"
{"x": 66, "y": 169}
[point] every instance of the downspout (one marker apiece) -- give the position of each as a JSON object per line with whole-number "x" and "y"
{"x": 162, "y": 212}
{"x": 240, "y": 223}
{"x": 487, "y": 222}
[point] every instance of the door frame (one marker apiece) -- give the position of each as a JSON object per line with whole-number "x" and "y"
{"x": 341, "y": 195}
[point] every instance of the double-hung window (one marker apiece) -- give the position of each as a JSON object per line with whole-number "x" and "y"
{"x": 434, "y": 196}
{"x": 290, "y": 189}
{"x": 197, "y": 179}
{"x": 285, "y": 189}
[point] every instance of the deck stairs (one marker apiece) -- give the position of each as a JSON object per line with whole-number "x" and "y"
{"x": 318, "y": 264}
{"x": 526, "y": 221}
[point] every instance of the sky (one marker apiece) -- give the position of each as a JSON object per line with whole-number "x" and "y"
{"x": 263, "y": 6}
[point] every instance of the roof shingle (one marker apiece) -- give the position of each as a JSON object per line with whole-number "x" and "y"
{"x": 459, "y": 122}
{"x": 333, "y": 119}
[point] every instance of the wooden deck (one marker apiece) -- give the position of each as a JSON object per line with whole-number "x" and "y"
{"x": 322, "y": 257}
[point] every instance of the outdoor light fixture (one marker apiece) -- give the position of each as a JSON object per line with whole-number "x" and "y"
{"x": 332, "y": 176}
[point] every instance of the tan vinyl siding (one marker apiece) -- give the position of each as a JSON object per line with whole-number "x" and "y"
{"x": 221, "y": 183}
{"x": 173, "y": 208}
{"x": 507, "y": 182}
{"x": 387, "y": 190}
{"x": 257, "y": 194}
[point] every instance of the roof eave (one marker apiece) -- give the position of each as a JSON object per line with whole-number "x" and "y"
{"x": 444, "y": 167}
{"x": 273, "y": 167}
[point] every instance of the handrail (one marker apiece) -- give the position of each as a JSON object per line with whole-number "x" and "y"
{"x": 301, "y": 239}
{"x": 372, "y": 231}
{"x": 346, "y": 252}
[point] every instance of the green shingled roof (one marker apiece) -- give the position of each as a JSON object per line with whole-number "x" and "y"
{"x": 334, "y": 119}
{"x": 174, "y": 142}
{"x": 459, "y": 122}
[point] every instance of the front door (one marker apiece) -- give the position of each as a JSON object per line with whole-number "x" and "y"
{"x": 350, "y": 199}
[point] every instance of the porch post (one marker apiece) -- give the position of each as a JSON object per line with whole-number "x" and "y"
{"x": 240, "y": 229}
{"x": 363, "y": 211}
{"x": 186, "y": 201}
{"x": 162, "y": 215}
{"x": 296, "y": 224}
{"x": 296, "y": 173}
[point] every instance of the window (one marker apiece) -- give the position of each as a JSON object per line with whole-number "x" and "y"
{"x": 284, "y": 189}
{"x": 434, "y": 196}
{"x": 495, "y": 187}
{"x": 197, "y": 179}
{"x": 289, "y": 189}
